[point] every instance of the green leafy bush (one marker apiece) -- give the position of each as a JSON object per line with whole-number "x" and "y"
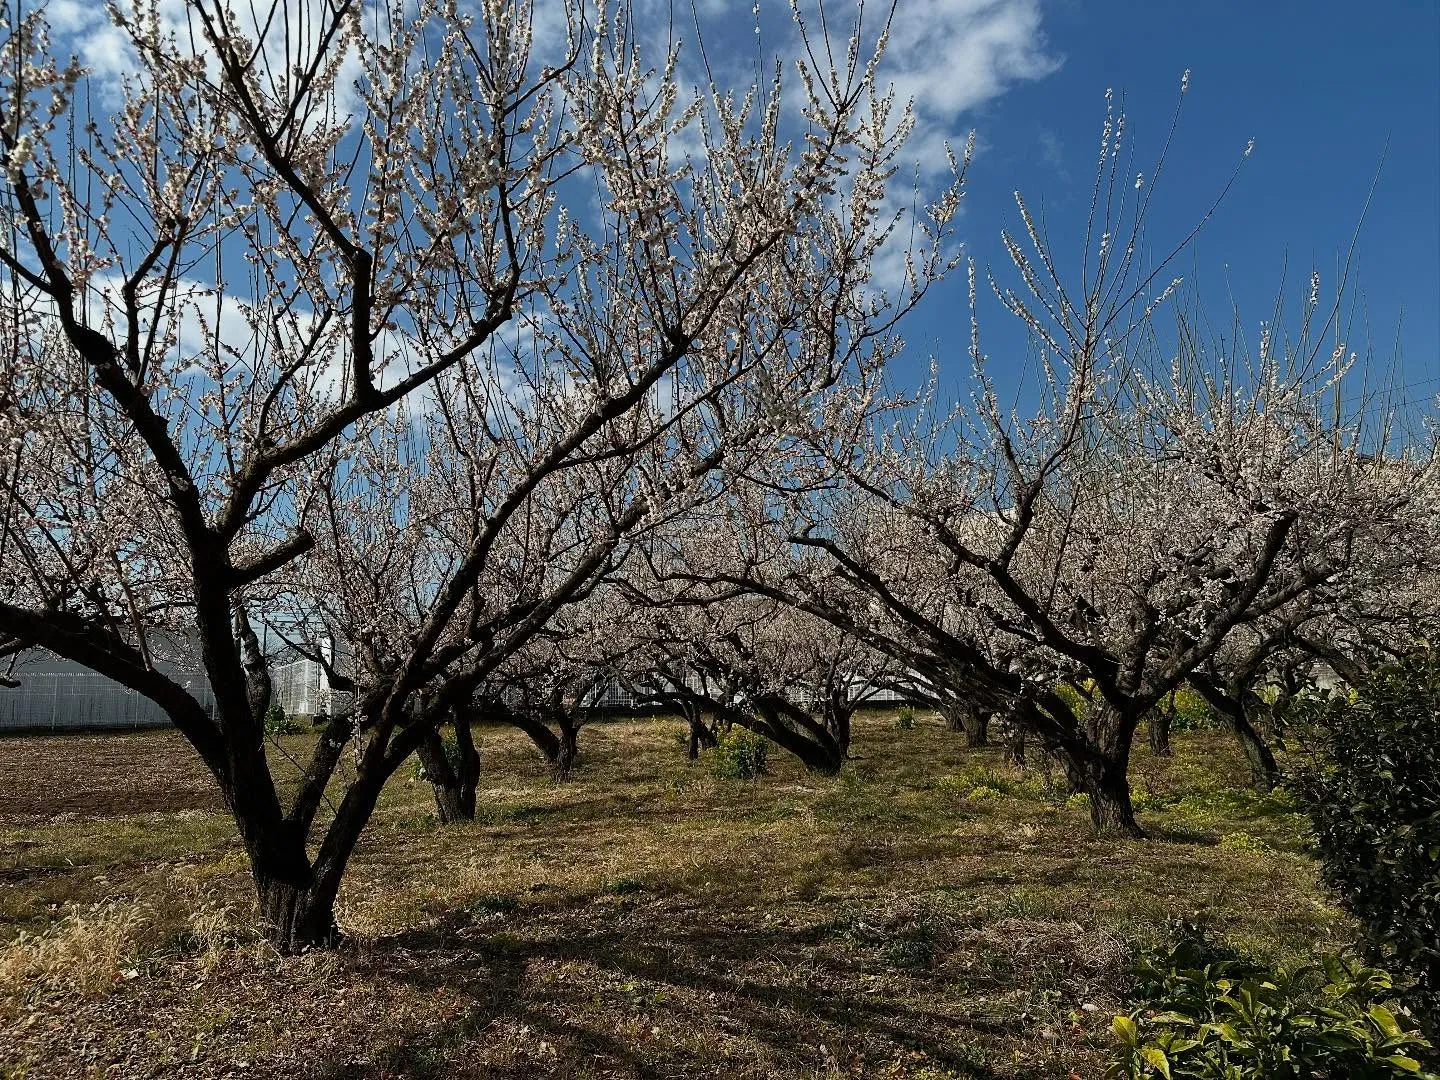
{"x": 983, "y": 779}
{"x": 905, "y": 718}
{"x": 1372, "y": 788}
{"x": 739, "y": 754}
{"x": 1228, "y": 1020}
{"x": 277, "y": 723}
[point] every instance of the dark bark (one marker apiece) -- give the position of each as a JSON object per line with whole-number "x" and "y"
{"x": 453, "y": 781}
{"x": 568, "y": 748}
{"x": 1098, "y": 764}
{"x": 545, "y": 740}
{"x": 977, "y": 727}
{"x": 1157, "y": 726}
{"x": 297, "y": 904}
{"x": 702, "y": 737}
{"x": 1015, "y": 743}
{"x": 971, "y": 719}
{"x": 1229, "y": 702}
{"x": 824, "y": 757}
{"x": 1276, "y": 710}
{"x": 1108, "y": 787}
{"x": 295, "y": 913}
{"x": 1264, "y": 769}
{"x": 554, "y": 728}
{"x": 821, "y": 745}
{"x": 328, "y": 748}
{"x": 837, "y": 724}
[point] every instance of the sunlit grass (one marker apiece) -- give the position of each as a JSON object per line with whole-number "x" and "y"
{"x": 931, "y": 908}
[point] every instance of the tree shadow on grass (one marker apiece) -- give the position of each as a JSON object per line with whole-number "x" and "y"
{"x": 652, "y": 987}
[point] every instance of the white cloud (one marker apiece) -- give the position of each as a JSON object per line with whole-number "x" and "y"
{"x": 950, "y": 56}
{"x": 107, "y": 51}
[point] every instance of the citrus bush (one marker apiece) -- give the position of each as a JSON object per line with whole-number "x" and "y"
{"x": 1372, "y": 788}
{"x": 1335, "y": 1020}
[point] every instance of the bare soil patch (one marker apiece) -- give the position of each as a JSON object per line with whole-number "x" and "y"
{"x": 102, "y": 775}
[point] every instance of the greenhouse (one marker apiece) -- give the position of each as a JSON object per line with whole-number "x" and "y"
{"x": 58, "y": 695}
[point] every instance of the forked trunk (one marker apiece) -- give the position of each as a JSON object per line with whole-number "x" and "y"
{"x": 297, "y": 915}
{"x": 701, "y": 737}
{"x": 838, "y": 724}
{"x": 453, "y": 778}
{"x": 817, "y": 749}
{"x": 296, "y": 895}
{"x": 559, "y": 750}
{"x": 1101, "y": 768}
{"x": 297, "y": 905}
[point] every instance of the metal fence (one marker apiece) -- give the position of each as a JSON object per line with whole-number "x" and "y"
{"x": 61, "y": 701}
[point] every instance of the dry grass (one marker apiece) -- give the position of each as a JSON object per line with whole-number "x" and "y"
{"x": 88, "y": 951}
{"x": 933, "y": 912}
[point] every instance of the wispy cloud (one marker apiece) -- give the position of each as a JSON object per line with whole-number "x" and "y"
{"x": 1052, "y": 153}
{"x": 951, "y": 56}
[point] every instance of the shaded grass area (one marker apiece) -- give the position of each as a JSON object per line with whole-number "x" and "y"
{"x": 932, "y": 912}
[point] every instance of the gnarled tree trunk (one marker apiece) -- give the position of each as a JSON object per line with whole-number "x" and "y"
{"x": 1264, "y": 769}
{"x": 567, "y": 748}
{"x": 296, "y": 911}
{"x": 1099, "y": 766}
{"x": 702, "y": 736}
{"x": 818, "y": 748}
{"x": 453, "y": 782}
{"x": 1108, "y": 787}
{"x": 971, "y": 719}
{"x": 1229, "y": 703}
{"x": 559, "y": 747}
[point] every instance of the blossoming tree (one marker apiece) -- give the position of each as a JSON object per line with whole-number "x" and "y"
{"x": 315, "y": 319}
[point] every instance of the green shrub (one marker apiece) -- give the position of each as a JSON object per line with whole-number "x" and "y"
{"x": 1228, "y": 1020}
{"x": 1079, "y": 704}
{"x": 494, "y": 904}
{"x": 739, "y": 754}
{"x": 1192, "y": 713}
{"x": 277, "y": 723}
{"x": 979, "y": 782}
{"x": 905, "y": 718}
{"x": 1372, "y": 788}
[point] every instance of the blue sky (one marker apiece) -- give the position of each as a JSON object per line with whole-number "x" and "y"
{"x": 1321, "y": 87}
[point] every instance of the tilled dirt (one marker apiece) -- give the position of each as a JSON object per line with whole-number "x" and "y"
{"x": 100, "y": 776}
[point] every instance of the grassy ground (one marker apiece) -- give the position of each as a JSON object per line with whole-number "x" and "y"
{"x": 931, "y": 913}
